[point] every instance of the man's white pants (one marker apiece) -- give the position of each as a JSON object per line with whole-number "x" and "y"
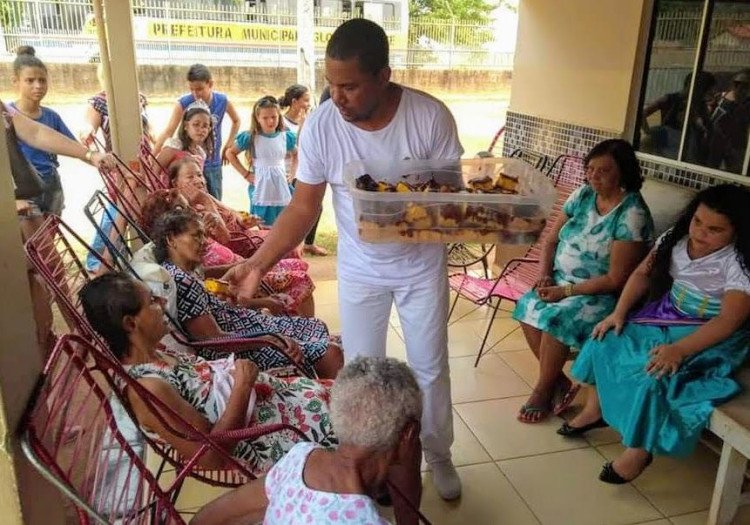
{"x": 423, "y": 311}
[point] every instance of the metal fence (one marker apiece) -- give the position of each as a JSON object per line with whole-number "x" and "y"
{"x": 225, "y": 32}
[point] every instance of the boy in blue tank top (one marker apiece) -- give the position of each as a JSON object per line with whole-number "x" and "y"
{"x": 201, "y": 86}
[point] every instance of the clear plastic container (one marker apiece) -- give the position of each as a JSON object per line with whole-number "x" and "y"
{"x": 449, "y": 213}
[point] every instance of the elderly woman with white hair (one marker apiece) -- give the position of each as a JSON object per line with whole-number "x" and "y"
{"x": 376, "y": 407}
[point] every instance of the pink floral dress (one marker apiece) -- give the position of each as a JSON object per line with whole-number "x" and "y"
{"x": 291, "y": 502}
{"x": 297, "y": 401}
{"x": 288, "y": 279}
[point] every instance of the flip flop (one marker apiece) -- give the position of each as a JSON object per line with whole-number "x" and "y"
{"x": 566, "y": 399}
{"x": 524, "y": 415}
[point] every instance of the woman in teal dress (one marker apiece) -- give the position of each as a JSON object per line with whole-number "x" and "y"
{"x": 660, "y": 374}
{"x": 601, "y": 237}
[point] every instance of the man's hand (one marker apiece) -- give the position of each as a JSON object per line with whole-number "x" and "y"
{"x": 245, "y": 276}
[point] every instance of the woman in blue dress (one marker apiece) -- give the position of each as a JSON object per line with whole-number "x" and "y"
{"x": 603, "y": 233}
{"x": 659, "y": 373}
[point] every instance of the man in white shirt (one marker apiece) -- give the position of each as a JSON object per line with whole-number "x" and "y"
{"x": 369, "y": 117}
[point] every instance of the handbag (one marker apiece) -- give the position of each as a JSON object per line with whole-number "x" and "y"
{"x": 27, "y": 181}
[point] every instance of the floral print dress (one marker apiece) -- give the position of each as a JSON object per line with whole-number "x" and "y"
{"x": 299, "y": 402}
{"x": 193, "y": 300}
{"x": 583, "y": 252}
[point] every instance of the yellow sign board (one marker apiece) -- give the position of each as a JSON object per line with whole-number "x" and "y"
{"x": 208, "y": 32}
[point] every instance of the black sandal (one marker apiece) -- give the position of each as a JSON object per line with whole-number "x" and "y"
{"x": 610, "y": 475}
{"x": 568, "y": 430}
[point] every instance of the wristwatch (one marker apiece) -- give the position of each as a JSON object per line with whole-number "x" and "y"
{"x": 89, "y": 155}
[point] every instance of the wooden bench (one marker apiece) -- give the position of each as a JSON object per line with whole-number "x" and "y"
{"x": 731, "y": 422}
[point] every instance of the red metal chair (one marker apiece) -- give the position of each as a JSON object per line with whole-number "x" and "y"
{"x": 519, "y": 274}
{"x": 53, "y": 250}
{"x": 99, "y": 470}
{"x": 494, "y": 149}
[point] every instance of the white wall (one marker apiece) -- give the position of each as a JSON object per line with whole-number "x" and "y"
{"x": 575, "y": 60}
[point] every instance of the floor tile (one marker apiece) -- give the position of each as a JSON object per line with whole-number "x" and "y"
{"x": 492, "y": 379}
{"x": 656, "y": 522}
{"x": 466, "y": 449}
{"x": 194, "y": 495}
{"x": 701, "y": 518}
{"x": 523, "y": 363}
{"x": 563, "y": 488}
{"x": 395, "y": 346}
{"x": 494, "y": 424}
{"x": 329, "y": 313}
{"x": 487, "y": 499}
{"x": 676, "y": 486}
{"x": 326, "y": 292}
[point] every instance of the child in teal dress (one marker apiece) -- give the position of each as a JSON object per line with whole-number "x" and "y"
{"x": 268, "y": 145}
{"x": 660, "y": 372}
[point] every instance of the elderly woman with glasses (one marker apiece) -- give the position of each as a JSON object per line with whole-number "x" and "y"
{"x": 376, "y": 405}
{"x": 601, "y": 236}
{"x": 179, "y": 245}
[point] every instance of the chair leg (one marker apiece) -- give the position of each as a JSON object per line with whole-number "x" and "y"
{"x": 487, "y": 333}
{"x": 726, "y": 497}
{"x": 453, "y": 307}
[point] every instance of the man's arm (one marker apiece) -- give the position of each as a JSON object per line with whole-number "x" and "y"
{"x": 287, "y": 232}
{"x": 174, "y": 121}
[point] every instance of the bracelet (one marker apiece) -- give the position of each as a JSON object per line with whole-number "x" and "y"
{"x": 568, "y": 290}
{"x": 89, "y": 155}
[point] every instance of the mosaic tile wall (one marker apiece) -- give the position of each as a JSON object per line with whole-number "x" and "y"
{"x": 555, "y": 138}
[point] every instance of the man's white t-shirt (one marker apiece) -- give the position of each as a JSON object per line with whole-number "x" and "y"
{"x": 422, "y": 128}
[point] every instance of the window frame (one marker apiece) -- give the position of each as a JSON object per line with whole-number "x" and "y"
{"x": 699, "y": 59}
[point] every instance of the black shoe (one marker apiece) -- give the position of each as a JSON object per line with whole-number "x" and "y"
{"x": 571, "y": 431}
{"x": 610, "y": 475}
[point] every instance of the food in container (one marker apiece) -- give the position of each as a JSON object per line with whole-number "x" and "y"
{"x": 476, "y": 200}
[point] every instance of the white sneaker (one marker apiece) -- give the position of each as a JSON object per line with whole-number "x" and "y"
{"x": 446, "y": 480}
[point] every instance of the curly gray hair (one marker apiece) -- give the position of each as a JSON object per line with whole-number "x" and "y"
{"x": 372, "y": 400}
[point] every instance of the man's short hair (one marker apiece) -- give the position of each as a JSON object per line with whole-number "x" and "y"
{"x": 361, "y": 39}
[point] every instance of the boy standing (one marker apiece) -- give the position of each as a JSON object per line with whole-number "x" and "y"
{"x": 201, "y": 86}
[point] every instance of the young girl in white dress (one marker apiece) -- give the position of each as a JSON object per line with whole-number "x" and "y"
{"x": 268, "y": 145}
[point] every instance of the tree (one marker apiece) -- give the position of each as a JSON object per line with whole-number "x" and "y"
{"x": 465, "y": 10}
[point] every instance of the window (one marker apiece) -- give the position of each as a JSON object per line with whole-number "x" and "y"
{"x": 695, "y": 103}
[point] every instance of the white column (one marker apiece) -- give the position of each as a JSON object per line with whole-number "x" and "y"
{"x": 306, "y": 44}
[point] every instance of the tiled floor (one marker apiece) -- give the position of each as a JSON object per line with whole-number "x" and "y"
{"x": 518, "y": 474}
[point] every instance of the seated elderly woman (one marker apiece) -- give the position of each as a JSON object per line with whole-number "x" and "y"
{"x": 214, "y": 396}
{"x": 601, "y": 236}
{"x": 185, "y": 175}
{"x": 179, "y": 244}
{"x": 662, "y": 370}
{"x": 376, "y": 403}
{"x": 288, "y": 279}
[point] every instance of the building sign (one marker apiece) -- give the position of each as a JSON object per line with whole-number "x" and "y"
{"x": 151, "y": 29}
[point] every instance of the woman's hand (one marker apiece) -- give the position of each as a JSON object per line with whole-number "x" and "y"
{"x": 551, "y": 294}
{"x": 245, "y": 373}
{"x": 249, "y": 177}
{"x": 665, "y": 360}
{"x": 213, "y": 223}
{"x": 543, "y": 282}
{"x": 613, "y": 320}
{"x": 273, "y": 304}
{"x": 103, "y": 160}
